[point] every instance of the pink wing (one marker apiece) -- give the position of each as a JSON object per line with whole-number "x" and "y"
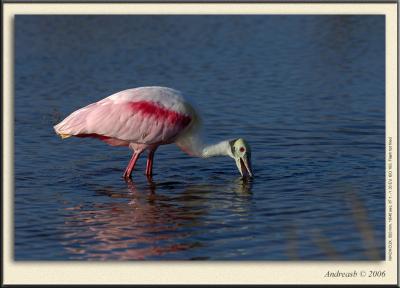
{"x": 118, "y": 123}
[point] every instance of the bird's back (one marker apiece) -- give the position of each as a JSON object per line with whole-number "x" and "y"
{"x": 148, "y": 115}
{"x": 164, "y": 96}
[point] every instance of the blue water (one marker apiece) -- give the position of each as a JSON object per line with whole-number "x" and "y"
{"x": 307, "y": 93}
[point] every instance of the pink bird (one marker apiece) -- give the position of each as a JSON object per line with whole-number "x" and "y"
{"x": 146, "y": 117}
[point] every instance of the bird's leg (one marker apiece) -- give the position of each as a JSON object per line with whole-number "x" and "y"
{"x": 149, "y": 165}
{"x": 131, "y": 165}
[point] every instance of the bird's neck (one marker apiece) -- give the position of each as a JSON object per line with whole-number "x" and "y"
{"x": 193, "y": 145}
{"x": 222, "y": 148}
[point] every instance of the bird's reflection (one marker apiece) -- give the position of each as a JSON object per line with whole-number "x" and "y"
{"x": 143, "y": 224}
{"x": 243, "y": 186}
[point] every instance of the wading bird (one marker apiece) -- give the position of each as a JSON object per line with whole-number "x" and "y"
{"x": 146, "y": 117}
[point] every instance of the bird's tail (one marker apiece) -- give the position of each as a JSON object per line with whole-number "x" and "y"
{"x": 60, "y": 132}
{"x": 74, "y": 124}
{"x": 63, "y": 136}
{"x": 58, "y": 129}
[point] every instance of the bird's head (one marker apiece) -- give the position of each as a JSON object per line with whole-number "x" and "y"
{"x": 242, "y": 154}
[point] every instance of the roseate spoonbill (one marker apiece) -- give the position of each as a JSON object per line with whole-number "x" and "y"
{"x": 146, "y": 117}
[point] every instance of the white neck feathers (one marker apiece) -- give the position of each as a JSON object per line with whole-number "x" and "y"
{"x": 192, "y": 144}
{"x": 219, "y": 149}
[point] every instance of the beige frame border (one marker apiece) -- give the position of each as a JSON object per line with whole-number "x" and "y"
{"x": 306, "y": 272}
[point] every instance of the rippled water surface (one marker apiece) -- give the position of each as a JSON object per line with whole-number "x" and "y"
{"x": 307, "y": 92}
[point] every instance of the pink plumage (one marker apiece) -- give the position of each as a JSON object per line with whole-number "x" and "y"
{"x": 145, "y": 118}
{"x": 141, "y": 118}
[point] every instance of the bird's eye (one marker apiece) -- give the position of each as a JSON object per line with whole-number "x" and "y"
{"x": 241, "y": 149}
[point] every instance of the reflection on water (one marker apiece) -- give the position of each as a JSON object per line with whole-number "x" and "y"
{"x": 151, "y": 225}
{"x": 146, "y": 225}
